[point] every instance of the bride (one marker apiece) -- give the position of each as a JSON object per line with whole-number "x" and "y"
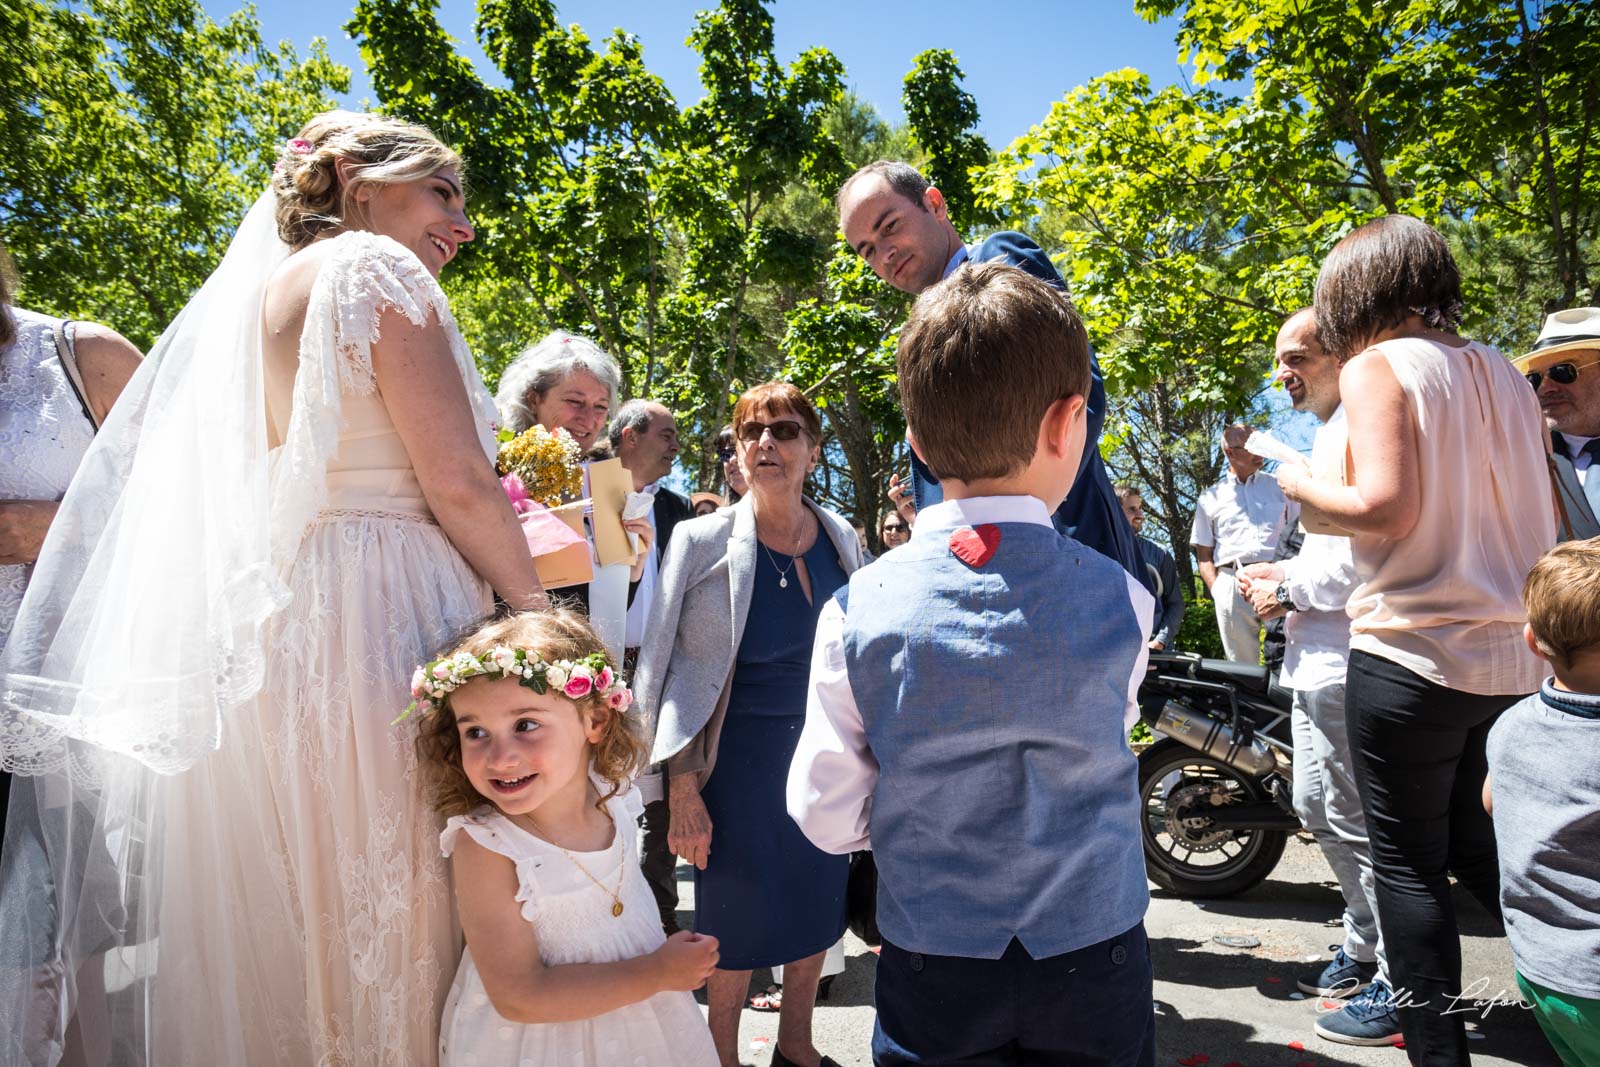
{"x": 219, "y": 855}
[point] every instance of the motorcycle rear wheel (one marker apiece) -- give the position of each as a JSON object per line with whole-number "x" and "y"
{"x": 1182, "y": 853}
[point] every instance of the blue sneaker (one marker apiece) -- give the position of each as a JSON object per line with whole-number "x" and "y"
{"x": 1369, "y": 1018}
{"x": 1344, "y": 977}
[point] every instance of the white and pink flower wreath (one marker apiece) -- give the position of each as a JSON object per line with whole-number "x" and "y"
{"x": 592, "y": 675}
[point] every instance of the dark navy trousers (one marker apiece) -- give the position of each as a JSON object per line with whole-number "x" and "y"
{"x": 1089, "y": 1007}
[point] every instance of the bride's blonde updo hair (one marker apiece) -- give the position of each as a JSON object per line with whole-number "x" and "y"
{"x": 382, "y": 150}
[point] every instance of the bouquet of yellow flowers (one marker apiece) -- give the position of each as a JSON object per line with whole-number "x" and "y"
{"x": 541, "y": 466}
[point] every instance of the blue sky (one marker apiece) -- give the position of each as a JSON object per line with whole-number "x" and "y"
{"x": 1018, "y": 55}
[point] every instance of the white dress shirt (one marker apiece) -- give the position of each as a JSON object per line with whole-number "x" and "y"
{"x": 1581, "y": 460}
{"x": 639, "y": 610}
{"x": 833, "y": 773}
{"x": 1242, "y": 522}
{"x": 1320, "y": 580}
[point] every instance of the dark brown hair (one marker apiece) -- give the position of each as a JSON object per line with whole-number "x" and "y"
{"x": 1562, "y": 595}
{"x": 903, "y": 178}
{"x": 1382, "y": 273}
{"x": 777, "y": 398}
{"x": 555, "y": 635}
{"x": 981, "y": 359}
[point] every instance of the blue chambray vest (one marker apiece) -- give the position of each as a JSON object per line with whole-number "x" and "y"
{"x": 1007, "y": 800}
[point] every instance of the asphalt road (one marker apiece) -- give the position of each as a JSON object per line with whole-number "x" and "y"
{"x": 1235, "y": 1007}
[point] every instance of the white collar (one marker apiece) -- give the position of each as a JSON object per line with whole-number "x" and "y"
{"x": 950, "y": 515}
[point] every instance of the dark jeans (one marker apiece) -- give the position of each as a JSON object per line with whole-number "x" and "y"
{"x": 659, "y": 864}
{"x": 1088, "y": 1007}
{"x": 1420, "y": 765}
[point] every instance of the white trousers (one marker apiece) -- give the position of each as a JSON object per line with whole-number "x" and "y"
{"x": 1240, "y": 625}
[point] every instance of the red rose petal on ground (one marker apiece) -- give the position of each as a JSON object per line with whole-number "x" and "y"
{"x": 1305, "y": 1063}
{"x": 1297, "y": 1046}
{"x": 1235, "y": 1063}
{"x": 1196, "y": 1060}
{"x": 1275, "y": 981}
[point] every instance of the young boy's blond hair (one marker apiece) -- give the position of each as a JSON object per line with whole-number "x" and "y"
{"x": 1562, "y": 595}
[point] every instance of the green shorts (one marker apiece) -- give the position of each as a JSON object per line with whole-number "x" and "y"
{"x": 1571, "y": 1023}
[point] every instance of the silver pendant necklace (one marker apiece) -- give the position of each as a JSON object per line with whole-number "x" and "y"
{"x": 783, "y": 572}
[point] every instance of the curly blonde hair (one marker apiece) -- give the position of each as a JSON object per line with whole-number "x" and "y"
{"x": 555, "y": 635}
{"x": 381, "y": 151}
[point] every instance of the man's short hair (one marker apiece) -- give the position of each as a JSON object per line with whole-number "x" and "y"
{"x": 1562, "y": 595}
{"x": 1124, "y": 491}
{"x": 1378, "y": 276}
{"x": 903, "y": 178}
{"x": 633, "y": 415}
{"x": 982, "y": 357}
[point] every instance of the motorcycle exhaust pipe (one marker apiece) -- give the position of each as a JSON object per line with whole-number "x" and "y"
{"x": 1216, "y": 739}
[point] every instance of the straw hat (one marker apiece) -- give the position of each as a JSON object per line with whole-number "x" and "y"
{"x": 1564, "y": 332}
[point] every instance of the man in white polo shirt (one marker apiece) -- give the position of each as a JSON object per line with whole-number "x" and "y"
{"x": 1237, "y": 522}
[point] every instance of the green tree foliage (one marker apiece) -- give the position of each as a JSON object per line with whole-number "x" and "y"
{"x": 133, "y": 137}
{"x": 942, "y": 116}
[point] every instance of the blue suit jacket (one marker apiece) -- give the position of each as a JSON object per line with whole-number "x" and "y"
{"x": 1090, "y": 514}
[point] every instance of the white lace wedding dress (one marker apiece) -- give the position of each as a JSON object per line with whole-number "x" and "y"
{"x": 306, "y": 917}
{"x": 574, "y": 922}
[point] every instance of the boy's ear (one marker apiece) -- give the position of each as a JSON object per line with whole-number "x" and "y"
{"x": 911, "y": 439}
{"x": 1059, "y": 423}
{"x": 1533, "y": 642}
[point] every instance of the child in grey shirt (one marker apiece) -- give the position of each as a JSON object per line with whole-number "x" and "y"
{"x": 1544, "y": 775}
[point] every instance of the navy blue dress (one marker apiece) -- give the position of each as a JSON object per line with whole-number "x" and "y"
{"x": 768, "y": 895}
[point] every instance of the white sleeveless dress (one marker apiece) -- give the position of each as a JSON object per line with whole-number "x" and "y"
{"x": 43, "y": 434}
{"x": 573, "y": 920}
{"x": 306, "y": 916}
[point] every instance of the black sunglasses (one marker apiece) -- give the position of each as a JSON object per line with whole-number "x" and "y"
{"x": 781, "y": 431}
{"x": 724, "y": 454}
{"x": 1560, "y": 373}
{"x": 895, "y": 527}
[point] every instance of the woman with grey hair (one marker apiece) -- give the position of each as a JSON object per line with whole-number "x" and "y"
{"x": 563, "y": 382}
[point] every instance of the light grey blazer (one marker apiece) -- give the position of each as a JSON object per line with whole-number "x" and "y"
{"x": 697, "y": 619}
{"x": 1580, "y": 511}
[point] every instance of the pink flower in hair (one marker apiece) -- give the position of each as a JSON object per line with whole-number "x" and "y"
{"x": 620, "y": 699}
{"x": 577, "y": 687}
{"x": 603, "y": 680}
{"x": 300, "y": 146}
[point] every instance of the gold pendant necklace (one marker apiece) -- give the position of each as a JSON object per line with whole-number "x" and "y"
{"x": 622, "y": 867}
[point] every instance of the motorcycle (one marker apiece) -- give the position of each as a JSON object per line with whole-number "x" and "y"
{"x": 1217, "y": 786}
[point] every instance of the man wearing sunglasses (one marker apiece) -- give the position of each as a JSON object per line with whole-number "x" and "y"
{"x": 1564, "y": 370}
{"x": 898, "y": 222}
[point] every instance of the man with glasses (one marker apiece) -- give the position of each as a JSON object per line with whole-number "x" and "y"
{"x": 899, "y": 223}
{"x": 1564, "y": 370}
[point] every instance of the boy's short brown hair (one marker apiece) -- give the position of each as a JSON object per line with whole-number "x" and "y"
{"x": 982, "y": 357}
{"x": 1562, "y": 595}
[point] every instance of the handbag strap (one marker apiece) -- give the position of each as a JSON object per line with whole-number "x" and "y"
{"x": 69, "y": 363}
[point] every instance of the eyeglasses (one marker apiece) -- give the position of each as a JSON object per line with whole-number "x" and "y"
{"x": 895, "y": 527}
{"x": 750, "y": 432}
{"x": 1560, "y": 373}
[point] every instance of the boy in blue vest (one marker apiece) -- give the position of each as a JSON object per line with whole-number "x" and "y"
{"x": 970, "y": 698}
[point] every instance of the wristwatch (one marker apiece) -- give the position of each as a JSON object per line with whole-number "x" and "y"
{"x": 1281, "y": 595}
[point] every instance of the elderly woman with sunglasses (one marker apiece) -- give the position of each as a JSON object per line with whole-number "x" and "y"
{"x": 1564, "y": 370}
{"x": 723, "y": 678}
{"x": 1447, "y": 497}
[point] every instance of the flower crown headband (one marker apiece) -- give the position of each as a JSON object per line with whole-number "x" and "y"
{"x": 437, "y": 679}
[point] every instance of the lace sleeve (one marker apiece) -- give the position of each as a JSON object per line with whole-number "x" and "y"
{"x": 490, "y": 832}
{"x": 369, "y": 275}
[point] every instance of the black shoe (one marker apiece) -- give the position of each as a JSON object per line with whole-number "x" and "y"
{"x": 780, "y": 1060}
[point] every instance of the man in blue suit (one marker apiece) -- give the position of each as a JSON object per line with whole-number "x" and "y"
{"x": 898, "y": 222}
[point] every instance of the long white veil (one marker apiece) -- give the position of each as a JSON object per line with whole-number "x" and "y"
{"x": 142, "y": 628}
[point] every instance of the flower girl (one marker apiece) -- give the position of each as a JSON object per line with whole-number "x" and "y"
{"x": 526, "y": 745}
